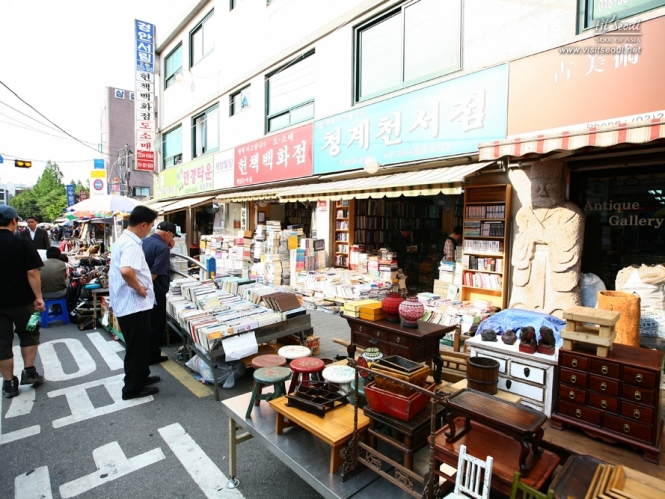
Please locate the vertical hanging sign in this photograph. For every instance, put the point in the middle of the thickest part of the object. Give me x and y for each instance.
(144, 97)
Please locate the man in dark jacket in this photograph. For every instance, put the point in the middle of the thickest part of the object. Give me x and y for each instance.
(39, 237)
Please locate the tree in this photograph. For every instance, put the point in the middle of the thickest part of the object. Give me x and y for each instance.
(80, 187)
(46, 199)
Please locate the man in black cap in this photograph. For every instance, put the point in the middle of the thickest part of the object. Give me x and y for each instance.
(156, 248)
(20, 296)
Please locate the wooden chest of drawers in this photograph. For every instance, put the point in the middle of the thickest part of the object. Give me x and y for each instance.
(615, 398)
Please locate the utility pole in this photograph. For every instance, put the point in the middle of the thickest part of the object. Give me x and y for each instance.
(123, 175)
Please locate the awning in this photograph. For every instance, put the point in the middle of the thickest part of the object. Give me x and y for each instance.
(186, 203)
(255, 195)
(447, 180)
(158, 206)
(571, 140)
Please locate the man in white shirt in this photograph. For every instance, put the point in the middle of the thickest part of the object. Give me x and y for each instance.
(39, 237)
(132, 299)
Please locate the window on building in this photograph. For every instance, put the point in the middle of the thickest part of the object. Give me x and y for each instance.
(240, 101)
(418, 41)
(201, 40)
(172, 148)
(172, 66)
(234, 4)
(205, 132)
(592, 13)
(141, 191)
(290, 93)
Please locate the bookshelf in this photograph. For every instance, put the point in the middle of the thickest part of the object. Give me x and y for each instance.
(298, 213)
(486, 244)
(343, 232)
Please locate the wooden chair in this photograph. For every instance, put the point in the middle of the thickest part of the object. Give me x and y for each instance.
(527, 492)
(473, 477)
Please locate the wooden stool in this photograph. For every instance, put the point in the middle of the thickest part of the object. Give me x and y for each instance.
(290, 352)
(341, 375)
(266, 360)
(302, 369)
(268, 376)
(601, 333)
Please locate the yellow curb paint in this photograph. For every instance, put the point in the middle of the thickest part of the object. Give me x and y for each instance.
(185, 377)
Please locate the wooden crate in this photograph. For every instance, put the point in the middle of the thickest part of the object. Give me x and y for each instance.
(590, 325)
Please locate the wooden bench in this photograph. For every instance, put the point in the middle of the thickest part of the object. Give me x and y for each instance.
(601, 334)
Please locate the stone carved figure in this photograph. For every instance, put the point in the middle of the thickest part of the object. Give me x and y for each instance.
(547, 250)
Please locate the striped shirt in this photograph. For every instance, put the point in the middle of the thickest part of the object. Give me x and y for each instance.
(127, 252)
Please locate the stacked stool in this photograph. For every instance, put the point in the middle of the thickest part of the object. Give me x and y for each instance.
(61, 315)
(268, 360)
(304, 369)
(340, 375)
(290, 352)
(268, 376)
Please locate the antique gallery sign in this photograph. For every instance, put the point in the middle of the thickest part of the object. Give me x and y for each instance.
(441, 120)
(144, 97)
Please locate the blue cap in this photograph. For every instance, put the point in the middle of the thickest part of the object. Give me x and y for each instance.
(7, 211)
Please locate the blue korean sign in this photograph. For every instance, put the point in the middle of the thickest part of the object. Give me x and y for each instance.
(145, 48)
(98, 164)
(449, 118)
(71, 194)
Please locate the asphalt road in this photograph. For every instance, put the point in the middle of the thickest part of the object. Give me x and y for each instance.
(74, 436)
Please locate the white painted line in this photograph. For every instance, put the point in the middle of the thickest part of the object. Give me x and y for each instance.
(35, 484)
(111, 464)
(108, 350)
(81, 406)
(200, 467)
(26, 396)
(53, 367)
(18, 434)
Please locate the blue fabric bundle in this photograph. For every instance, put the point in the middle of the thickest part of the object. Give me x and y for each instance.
(516, 319)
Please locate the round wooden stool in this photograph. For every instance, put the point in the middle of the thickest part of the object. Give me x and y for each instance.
(267, 360)
(268, 376)
(303, 368)
(290, 352)
(340, 375)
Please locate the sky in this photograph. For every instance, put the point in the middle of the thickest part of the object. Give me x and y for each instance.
(58, 56)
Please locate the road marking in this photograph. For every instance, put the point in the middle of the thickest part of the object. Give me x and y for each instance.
(18, 434)
(186, 379)
(35, 484)
(111, 464)
(81, 406)
(108, 350)
(200, 467)
(53, 367)
(26, 396)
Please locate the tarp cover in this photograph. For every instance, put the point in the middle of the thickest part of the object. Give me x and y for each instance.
(516, 319)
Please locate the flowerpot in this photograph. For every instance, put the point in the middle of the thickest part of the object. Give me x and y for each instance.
(410, 310)
(390, 306)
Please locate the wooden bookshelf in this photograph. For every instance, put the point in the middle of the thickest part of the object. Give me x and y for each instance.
(486, 244)
(342, 232)
(298, 213)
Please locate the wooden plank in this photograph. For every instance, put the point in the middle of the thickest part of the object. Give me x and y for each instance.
(606, 331)
(592, 315)
(589, 338)
(571, 325)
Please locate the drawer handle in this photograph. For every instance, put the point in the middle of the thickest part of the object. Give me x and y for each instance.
(573, 379)
(636, 413)
(638, 378)
(573, 363)
(603, 386)
(398, 339)
(603, 404)
(604, 370)
(638, 395)
(578, 413)
(361, 328)
(527, 371)
(571, 394)
(508, 384)
(378, 334)
(626, 428)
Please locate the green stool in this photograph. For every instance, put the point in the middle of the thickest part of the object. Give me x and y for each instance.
(268, 376)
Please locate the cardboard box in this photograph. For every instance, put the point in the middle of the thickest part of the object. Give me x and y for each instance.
(372, 309)
(354, 306)
(372, 317)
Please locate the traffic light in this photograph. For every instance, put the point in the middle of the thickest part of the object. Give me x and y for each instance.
(21, 163)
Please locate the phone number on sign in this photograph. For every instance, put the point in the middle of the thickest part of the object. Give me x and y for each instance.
(634, 119)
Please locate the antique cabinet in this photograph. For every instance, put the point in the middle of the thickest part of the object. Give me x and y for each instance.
(615, 397)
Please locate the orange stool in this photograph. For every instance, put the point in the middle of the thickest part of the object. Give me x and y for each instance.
(267, 360)
(303, 368)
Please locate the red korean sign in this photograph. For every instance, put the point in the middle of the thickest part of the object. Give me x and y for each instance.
(276, 157)
(145, 160)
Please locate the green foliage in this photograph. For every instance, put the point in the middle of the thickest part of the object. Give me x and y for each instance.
(46, 199)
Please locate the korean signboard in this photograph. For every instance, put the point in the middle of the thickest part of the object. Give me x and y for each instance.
(71, 194)
(275, 157)
(144, 97)
(97, 183)
(445, 119)
(190, 178)
(223, 177)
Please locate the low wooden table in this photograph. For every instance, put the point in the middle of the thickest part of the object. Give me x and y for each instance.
(517, 421)
(335, 429)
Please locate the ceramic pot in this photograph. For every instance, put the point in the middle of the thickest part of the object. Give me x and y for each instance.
(410, 310)
(390, 306)
(371, 354)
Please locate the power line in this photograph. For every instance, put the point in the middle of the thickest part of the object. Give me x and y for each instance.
(31, 128)
(40, 114)
(11, 156)
(27, 116)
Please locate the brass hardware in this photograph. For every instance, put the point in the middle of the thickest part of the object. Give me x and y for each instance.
(626, 428)
(398, 339)
(638, 378)
(603, 404)
(361, 328)
(578, 413)
(378, 334)
(636, 413)
(638, 395)
(573, 363)
(527, 371)
(603, 386)
(571, 394)
(604, 370)
(573, 379)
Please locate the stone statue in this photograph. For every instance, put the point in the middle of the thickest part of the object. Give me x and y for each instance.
(547, 250)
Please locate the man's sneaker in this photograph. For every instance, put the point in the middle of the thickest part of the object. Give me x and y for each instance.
(31, 377)
(10, 388)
